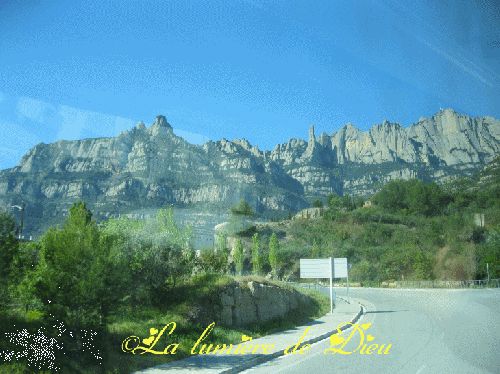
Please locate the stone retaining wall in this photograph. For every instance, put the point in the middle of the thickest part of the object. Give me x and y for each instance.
(258, 303)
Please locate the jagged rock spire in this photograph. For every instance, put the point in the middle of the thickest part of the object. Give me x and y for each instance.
(312, 138)
(162, 122)
(312, 151)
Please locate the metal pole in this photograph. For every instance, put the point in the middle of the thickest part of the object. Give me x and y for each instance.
(331, 291)
(488, 270)
(348, 284)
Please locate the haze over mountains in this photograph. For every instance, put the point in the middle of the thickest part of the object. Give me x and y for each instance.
(147, 168)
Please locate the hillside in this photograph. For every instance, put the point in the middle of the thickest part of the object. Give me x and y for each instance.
(396, 239)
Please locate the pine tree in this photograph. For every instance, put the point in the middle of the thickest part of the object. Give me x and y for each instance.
(73, 279)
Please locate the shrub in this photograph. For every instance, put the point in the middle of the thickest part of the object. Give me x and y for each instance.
(317, 204)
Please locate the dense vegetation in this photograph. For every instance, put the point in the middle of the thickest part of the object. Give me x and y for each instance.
(407, 231)
(83, 289)
(411, 231)
(121, 279)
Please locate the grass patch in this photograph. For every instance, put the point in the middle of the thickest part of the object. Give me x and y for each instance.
(129, 321)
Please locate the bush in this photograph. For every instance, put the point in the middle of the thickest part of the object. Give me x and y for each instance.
(243, 208)
(317, 204)
(212, 261)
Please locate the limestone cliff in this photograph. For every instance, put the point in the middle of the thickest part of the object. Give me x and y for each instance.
(152, 167)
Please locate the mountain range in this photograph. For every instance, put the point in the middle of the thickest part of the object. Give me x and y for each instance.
(147, 168)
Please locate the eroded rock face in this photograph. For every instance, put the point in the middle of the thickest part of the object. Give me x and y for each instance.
(310, 213)
(152, 167)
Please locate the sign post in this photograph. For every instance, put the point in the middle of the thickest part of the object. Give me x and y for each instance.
(326, 268)
(318, 268)
(331, 292)
(348, 268)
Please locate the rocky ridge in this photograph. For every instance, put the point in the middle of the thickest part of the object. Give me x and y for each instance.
(152, 167)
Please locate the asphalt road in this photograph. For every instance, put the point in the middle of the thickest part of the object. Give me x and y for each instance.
(430, 331)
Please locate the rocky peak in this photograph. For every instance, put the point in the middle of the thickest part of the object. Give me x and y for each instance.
(312, 138)
(151, 167)
(161, 128)
(455, 138)
(324, 140)
(312, 152)
(243, 143)
(162, 122)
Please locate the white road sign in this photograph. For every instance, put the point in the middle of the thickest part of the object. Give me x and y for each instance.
(326, 268)
(317, 268)
(339, 268)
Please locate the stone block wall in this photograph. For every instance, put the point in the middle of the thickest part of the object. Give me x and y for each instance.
(257, 303)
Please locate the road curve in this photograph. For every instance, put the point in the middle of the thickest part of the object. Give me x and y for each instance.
(430, 331)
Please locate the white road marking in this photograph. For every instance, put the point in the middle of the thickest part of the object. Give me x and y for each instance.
(422, 368)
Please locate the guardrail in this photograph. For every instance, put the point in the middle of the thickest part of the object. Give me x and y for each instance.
(448, 284)
(492, 283)
(310, 286)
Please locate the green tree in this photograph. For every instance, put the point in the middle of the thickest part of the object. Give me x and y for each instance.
(221, 241)
(489, 253)
(23, 265)
(211, 261)
(316, 251)
(392, 196)
(360, 202)
(243, 208)
(317, 204)
(289, 214)
(422, 265)
(9, 248)
(416, 197)
(274, 254)
(222, 250)
(347, 202)
(396, 263)
(334, 201)
(256, 258)
(154, 255)
(73, 278)
(436, 199)
(238, 256)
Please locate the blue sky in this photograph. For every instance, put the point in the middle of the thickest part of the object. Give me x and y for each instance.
(260, 70)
